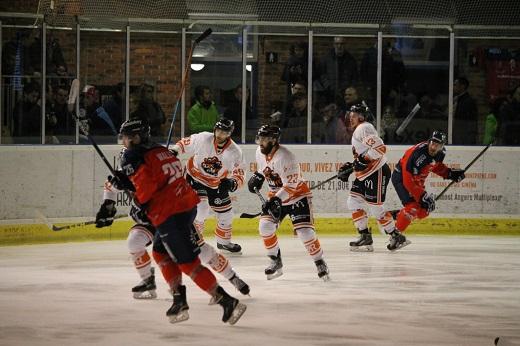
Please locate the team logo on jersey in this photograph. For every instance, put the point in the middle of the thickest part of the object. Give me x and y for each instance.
(211, 165)
(272, 178)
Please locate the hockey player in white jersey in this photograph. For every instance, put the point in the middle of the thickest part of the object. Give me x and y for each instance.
(142, 234)
(368, 191)
(215, 169)
(288, 195)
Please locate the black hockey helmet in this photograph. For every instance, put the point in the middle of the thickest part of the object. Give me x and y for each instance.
(361, 110)
(271, 131)
(136, 127)
(438, 137)
(225, 124)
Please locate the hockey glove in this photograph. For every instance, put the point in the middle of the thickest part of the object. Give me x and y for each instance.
(138, 213)
(121, 182)
(345, 171)
(227, 184)
(428, 201)
(256, 181)
(105, 215)
(360, 164)
(273, 207)
(456, 175)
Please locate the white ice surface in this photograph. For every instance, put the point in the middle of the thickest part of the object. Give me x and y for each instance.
(436, 291)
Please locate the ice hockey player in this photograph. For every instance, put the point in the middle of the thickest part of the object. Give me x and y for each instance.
(215, 169)
(155, 176)
(288, 195)
(142, 234)
(368, 191)
(410, 174)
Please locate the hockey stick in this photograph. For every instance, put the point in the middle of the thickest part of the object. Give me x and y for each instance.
(73, 95)
(183, 82)
(407, 120)
(465, 169)
(80, 224)
(252, 216)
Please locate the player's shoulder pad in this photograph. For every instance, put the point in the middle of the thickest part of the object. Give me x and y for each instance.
(131, 159)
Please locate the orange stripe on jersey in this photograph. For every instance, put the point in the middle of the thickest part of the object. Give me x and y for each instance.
(372, 167)
(303, 225)
(270, 241)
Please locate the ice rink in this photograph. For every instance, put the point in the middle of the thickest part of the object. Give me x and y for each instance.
(436, 291)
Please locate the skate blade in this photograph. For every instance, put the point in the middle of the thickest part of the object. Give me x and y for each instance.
(364, 248)
(145, 295)
(230, 253)
(278, 273)
(407, 242)
(180, 317)
(237, 313)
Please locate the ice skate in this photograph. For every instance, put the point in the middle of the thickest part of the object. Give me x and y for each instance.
(397, 241)
(146, 289)
(230, 248)
(363, 243)
(233, 309)
(178, 312)
(323, 270)
(274, 269)
(240, 285)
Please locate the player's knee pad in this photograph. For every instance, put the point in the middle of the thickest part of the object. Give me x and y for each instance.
(306, 233)
(138, 238)
(308, 237)
(225, 219)
(266, 227)
(355, 202)
(207, 253)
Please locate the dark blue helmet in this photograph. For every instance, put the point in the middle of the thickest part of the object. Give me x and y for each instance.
(136, 127)
(438, 137)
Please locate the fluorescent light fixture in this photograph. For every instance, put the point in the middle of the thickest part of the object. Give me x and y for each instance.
(197, 67)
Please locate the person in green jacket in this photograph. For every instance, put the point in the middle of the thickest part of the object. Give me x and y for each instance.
(491, 123)
(203, 115)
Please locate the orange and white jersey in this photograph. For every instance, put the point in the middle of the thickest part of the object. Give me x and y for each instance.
(282, 173)
(209, 164)
(367, 143)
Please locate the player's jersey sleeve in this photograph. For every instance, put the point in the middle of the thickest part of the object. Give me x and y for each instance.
(440, 168)
(368, 143)
(147, 181)
(239, 165)
(189, 145)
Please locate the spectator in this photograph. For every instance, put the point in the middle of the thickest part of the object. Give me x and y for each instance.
(299, 87)
(296, 67)
(99, 121)
(510, 120)
(332, 129)
(203, 115)
(234, 112)
(115, 104)
(27, 115)
(491, 123)
(150, 110)
(465, 114)
(65, 125)
(338, 69)
(388, 124)
(55, 57)
(393, 71)
(295, 122)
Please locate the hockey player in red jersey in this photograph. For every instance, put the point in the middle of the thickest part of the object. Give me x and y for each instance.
(155, 176)
(142, 234)
(410, 174)
(368, 191)
(288, 195)
(215, 169)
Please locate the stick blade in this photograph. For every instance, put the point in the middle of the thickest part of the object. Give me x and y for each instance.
(73, 94)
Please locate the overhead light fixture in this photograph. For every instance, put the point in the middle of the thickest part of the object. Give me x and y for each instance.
(249, 67)
(197, 67)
